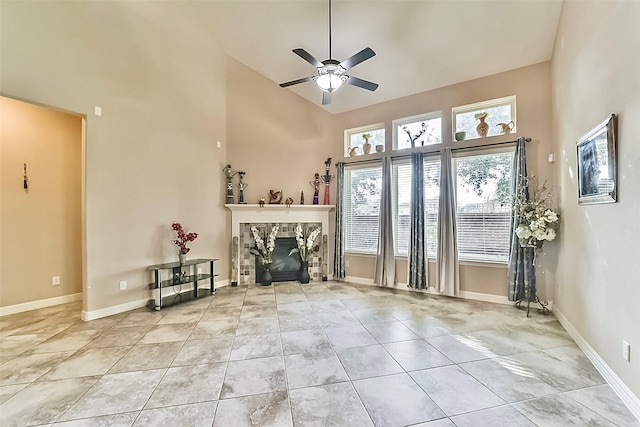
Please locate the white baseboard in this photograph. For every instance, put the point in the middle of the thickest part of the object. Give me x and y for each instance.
(42, 303)
(114, 309)
(498, 299)
(477, 296)
(132, 305)
(222, 283)
(624, 393)
(358, 280)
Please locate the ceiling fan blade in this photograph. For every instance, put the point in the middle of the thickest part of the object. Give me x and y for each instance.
(326, 98)
(295, 82)
(364, 84)
(307, 57)
(359, 57)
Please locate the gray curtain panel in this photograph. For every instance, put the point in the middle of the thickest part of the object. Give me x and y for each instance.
(417, 242)
(338, 248)
(448, 271)
(386, 261)
(522, 269)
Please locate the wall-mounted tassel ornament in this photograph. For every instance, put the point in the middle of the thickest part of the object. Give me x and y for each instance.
(26, 184)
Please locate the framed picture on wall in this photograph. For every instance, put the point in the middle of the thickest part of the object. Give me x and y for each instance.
(597, 164)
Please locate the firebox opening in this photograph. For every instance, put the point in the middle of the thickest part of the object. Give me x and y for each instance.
(284, 267)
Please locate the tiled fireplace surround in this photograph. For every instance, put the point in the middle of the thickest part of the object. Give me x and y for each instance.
(244, 216)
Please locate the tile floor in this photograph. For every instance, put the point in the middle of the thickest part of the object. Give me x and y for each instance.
(323, 354)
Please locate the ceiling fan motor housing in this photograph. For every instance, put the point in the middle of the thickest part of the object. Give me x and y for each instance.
(330, 76)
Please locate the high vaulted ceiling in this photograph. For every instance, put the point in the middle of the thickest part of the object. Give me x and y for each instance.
(420, 45)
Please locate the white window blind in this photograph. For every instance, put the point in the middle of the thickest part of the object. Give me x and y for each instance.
(362, 208)
(483, 214)
(431, 203)
(402, 207)
(402, 203)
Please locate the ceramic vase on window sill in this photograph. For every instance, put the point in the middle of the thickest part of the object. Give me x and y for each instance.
(482, 128)
(366, 147)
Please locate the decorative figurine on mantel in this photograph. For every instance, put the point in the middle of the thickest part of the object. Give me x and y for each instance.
(327, 180)
(288, 202)
(275, 197)
(229, 174)
(302, 197)
(241, 186)
(316, 188)
(261, 202)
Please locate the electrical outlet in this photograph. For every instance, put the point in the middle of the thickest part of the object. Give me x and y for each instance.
(626, 351)
(346, 263)
(123, 285)
(55, 280)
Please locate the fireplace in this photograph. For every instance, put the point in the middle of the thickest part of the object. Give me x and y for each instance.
(284, 267)
(245, 270)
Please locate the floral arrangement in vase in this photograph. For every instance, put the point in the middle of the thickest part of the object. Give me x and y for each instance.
(261, 249)
(537, 221)
(306, 243)
(182, 238)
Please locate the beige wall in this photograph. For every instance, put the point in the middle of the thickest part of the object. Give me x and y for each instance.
(40, 228)
(151, 157)
(280, 139)
(531, 85)
(595, 73)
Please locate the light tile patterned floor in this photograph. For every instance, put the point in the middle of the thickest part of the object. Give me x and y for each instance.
(323, 354)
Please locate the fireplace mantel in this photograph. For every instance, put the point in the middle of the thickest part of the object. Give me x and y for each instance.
(242, 214)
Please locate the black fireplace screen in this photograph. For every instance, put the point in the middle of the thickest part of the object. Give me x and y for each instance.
(283, 267)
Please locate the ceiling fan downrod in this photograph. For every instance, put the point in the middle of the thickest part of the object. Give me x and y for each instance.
(330, 56)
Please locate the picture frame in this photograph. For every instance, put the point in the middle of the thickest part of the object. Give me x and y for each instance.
(598, 164)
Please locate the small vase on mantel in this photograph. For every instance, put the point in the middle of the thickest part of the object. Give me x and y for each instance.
(304, 272)
(267, 279)
(182, 257)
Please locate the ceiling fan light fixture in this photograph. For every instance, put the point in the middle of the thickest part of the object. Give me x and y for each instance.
(330, 81)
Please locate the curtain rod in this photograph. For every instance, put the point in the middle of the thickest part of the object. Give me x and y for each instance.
(405, 156)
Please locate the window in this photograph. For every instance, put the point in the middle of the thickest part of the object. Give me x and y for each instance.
(483, 214)
(402, 202)
(353, 140)
(417, 131)
(501, 110)
(362, 208)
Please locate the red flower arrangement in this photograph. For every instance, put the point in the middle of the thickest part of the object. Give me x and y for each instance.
(183, 237)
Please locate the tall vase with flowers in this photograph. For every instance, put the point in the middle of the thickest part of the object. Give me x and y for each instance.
(536, 223)
(537, 220)
(263, 249)
(306, 247)
(181, 240)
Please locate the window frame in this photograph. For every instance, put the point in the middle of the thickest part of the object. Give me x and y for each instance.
(348, 133)
(478, 107)
(406, 161)
(395, 124)
(480, 151)
(347, 182)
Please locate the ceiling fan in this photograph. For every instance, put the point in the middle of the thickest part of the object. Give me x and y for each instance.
(331, 73)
